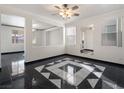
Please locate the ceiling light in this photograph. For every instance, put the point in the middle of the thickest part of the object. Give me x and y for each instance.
(67, 12)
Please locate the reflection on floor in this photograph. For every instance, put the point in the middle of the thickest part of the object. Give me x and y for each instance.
(12, 67)
(60, 72)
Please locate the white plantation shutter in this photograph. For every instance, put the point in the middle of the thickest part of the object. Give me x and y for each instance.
(71, 36)
(112, 33)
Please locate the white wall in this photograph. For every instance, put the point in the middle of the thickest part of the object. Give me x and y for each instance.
(6, 40)
(107, 53)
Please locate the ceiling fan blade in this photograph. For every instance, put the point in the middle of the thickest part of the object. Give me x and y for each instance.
(75, 14)
(65, 5)
(57, 7)
(75, 7)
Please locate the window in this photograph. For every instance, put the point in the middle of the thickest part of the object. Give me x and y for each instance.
(109, 38)
(44, 34)
(17, 37)
(39, 38)
(52, 37)
(112, 35)
(71, 36)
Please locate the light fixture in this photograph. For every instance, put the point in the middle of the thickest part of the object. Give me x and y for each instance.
(91, 27)
(67, 12)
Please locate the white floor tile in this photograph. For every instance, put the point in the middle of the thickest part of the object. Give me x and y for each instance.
(39, 68)
(83, 73)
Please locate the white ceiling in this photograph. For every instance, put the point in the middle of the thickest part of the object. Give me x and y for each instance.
(85, 10)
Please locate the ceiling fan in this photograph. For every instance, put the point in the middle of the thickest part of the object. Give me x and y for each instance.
(67, 12)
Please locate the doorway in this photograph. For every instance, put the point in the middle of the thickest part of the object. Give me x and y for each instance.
(12, 47)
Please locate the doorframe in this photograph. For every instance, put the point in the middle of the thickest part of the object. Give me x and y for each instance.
(13, 14)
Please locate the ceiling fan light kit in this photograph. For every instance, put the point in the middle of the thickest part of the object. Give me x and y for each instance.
(67, 12)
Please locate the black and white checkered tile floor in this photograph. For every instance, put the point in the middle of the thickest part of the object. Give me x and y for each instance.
(62, 72)
(70, 73)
